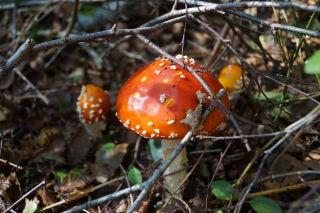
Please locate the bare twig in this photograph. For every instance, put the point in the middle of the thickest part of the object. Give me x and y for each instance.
(290, 129)
(25, 195)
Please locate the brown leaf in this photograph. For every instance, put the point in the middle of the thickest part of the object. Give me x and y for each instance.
(14, 191)
(313, 163)
(79, 145)
(48, 197)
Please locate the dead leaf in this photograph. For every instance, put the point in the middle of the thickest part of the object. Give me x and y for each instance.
(112, 158)
(313, 163)
(76, 179)
(43, 138)
(79, 145)
(31, 205)
(48, 197)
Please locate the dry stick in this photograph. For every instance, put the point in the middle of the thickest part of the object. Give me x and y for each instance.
(5, 67)
(92, 190)
(298, 173)
(74, 18)
(217, 168)
(21, 54)
(28, 48)
(281, 189)
(310, 186)
(301, 200)
(25, 195)
(127, 180)
(23, 77)
(67, 33)
(290, 129)
(6, 161)
(248, 65)
(208, 7)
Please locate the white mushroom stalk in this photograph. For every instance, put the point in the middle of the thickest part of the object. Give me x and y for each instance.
(172, 181)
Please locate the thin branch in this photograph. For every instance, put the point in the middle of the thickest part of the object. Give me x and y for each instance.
(25, 195)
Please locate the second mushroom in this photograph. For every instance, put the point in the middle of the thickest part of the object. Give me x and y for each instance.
(164, 100)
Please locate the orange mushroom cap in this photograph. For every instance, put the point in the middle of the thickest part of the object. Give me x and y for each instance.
(92, 106)
(158, 96)
(231, 78)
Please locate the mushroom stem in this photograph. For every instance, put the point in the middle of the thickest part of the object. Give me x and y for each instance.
(172, 181)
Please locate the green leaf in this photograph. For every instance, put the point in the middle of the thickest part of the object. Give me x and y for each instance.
(276, 96)
(222, 189)
(61, 173)
(155, 150)
(134, 176)
(312, 65)
(217, 211)
(108, 147)
(264, 205)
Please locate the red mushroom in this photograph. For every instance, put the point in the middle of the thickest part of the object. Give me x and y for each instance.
(232, 79)
(163, 100)
(92, 106)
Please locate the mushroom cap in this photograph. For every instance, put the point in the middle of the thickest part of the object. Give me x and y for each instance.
(158, 96)
(231, 78)
(92, 105)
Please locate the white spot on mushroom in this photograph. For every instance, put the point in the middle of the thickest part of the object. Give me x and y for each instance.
(100, 111)
(173, 67)
(100, 100)
(182, 76)
(144, 132)
(152, 135)
(136, 95)
(161, 64)
(179, 56)
(127, 122)
(162, 98)
(143, 79)
(138, 127)
(85, 105)
(157, 131)
(170, 122)
(157, 72)
(85, 96)
(150, 123)
(173, 135)
(192, 61)
(91, 99)
(116, 114)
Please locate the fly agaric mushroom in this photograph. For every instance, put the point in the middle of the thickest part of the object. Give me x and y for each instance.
(92, 106)
(232, 79)
(163, 100)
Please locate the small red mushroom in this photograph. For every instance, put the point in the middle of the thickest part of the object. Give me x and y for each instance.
(163, 100)
(232, 79)
(92, 106)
